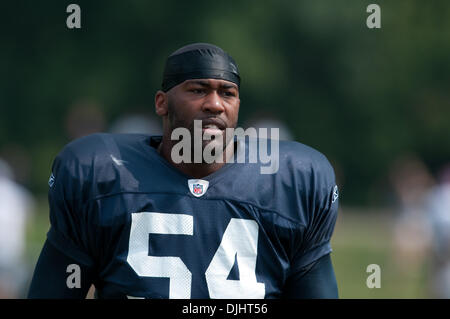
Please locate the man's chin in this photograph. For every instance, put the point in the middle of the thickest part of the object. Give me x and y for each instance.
(213, 144)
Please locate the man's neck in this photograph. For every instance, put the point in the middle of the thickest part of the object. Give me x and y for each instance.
(195, 170)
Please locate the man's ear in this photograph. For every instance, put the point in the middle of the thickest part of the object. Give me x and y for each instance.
(161, 103)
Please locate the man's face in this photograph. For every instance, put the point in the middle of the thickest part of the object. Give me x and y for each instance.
(214, 102)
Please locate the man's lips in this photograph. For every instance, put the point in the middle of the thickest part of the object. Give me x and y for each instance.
(213, 124)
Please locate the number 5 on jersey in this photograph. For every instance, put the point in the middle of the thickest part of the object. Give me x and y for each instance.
(240, 241)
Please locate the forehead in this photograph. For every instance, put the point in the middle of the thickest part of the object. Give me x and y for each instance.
(214, 83)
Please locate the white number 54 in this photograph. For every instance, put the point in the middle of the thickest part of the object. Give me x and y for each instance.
(239, 240)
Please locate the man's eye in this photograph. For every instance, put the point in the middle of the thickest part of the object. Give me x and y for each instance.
(198, 91)
(229, 93)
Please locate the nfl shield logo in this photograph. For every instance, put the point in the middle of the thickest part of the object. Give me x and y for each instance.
(198, 187)
(51, 180)
(335, 194)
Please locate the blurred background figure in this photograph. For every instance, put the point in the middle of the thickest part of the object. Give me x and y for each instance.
(16, 205)
(438, 205)
(84, 118)
(411, 181)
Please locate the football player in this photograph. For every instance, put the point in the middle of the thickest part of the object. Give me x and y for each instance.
(129, 219)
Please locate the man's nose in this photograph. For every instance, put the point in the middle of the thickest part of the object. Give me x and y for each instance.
(213, 103)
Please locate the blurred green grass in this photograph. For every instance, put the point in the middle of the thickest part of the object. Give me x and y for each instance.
(365, 237)
(361, 238)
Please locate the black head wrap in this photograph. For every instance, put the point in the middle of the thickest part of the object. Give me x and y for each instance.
(199, 61)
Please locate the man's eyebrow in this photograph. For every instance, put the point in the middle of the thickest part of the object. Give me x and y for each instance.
(228, 86)
(206, 84)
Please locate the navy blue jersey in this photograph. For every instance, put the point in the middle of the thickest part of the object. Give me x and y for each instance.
(150, 231)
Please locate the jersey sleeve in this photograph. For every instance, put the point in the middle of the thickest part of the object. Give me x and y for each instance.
(67, 198)
(321, 216)
(52, 273)
(314, 281)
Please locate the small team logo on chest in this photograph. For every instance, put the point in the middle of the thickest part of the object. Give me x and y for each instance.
(198, 187)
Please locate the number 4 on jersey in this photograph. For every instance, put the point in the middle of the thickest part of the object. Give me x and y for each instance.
(240, 239)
